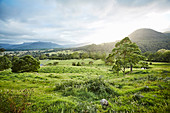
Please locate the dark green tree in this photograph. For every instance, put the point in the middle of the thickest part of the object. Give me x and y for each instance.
(42, 57)
(84, 56)
(25, 64)
(5, 63)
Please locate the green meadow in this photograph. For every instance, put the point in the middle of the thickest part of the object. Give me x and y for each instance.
(64, 88)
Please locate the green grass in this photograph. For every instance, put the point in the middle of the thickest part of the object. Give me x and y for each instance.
(67, 89)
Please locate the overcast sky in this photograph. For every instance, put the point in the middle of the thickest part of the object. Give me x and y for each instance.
(79, 21)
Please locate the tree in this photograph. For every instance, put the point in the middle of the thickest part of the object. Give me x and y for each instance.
(134, 55)
(125, 54)
(75, 55)
(109, 60)
(5, 63)
(84, 56)
(42, 57)
(25, 64)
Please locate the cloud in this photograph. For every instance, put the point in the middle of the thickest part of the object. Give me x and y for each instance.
(78, 21)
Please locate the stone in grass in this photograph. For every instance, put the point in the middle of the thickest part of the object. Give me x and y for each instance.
(154, 95)
(146, 87)
(104, 102)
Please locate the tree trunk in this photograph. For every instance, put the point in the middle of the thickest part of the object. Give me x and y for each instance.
(123, 70)
(117, 73)
(131, 68)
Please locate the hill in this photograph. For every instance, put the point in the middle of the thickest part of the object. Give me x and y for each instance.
(146, 39)
(31, 45)
(150, 40)
(104, 47)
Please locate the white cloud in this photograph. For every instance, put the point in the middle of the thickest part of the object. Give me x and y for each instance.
(75, 21)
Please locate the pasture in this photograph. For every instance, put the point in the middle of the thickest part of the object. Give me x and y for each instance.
(64, 88)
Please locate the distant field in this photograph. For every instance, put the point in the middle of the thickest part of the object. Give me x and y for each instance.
(65, 52)
(69, 62)
(78, 89)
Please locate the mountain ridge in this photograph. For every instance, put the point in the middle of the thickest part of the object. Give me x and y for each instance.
(31, 45)
(146, 39)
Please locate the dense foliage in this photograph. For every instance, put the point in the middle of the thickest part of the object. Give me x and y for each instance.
(161, 55)
(5, 63)
(25, 64)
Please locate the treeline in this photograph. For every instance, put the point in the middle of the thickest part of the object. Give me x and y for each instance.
(161, 55)
(74, 55)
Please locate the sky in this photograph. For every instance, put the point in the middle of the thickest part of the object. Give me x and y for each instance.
(79, 21)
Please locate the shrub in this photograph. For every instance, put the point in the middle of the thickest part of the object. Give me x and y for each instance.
(82, 63)
(96, 86)
(49, 64)
(78, 64)
(55, 63)
(91, 63)
(144, 65)
(73, 64)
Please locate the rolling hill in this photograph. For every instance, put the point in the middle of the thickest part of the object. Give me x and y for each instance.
(146, 39)
(150, 40)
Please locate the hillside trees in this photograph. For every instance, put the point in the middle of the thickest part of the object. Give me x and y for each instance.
(161, 55)
(5, 63)
(25, 64)
(125, 54)
(75, 55)
(84, 55)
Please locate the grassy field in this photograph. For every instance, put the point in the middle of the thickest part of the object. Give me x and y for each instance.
(78, 89)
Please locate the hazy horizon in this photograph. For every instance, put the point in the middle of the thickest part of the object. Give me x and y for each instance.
(79, 21)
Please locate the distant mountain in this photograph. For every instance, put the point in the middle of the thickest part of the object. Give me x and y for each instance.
(30, 45)
(150, 40)
(146, 39)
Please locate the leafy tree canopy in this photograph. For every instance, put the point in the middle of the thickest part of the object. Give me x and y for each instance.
(125, 54)
(25, 64)
(5, 63)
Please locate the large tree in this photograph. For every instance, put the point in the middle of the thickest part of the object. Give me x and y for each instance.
(125, 54)
(25, 64)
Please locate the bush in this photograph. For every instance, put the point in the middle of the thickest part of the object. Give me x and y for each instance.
(78, 64)
(25, 64)
(91, 63)
(49, 64)
(95, 86)
(82, 63)
(55, 63)
(73, 64)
